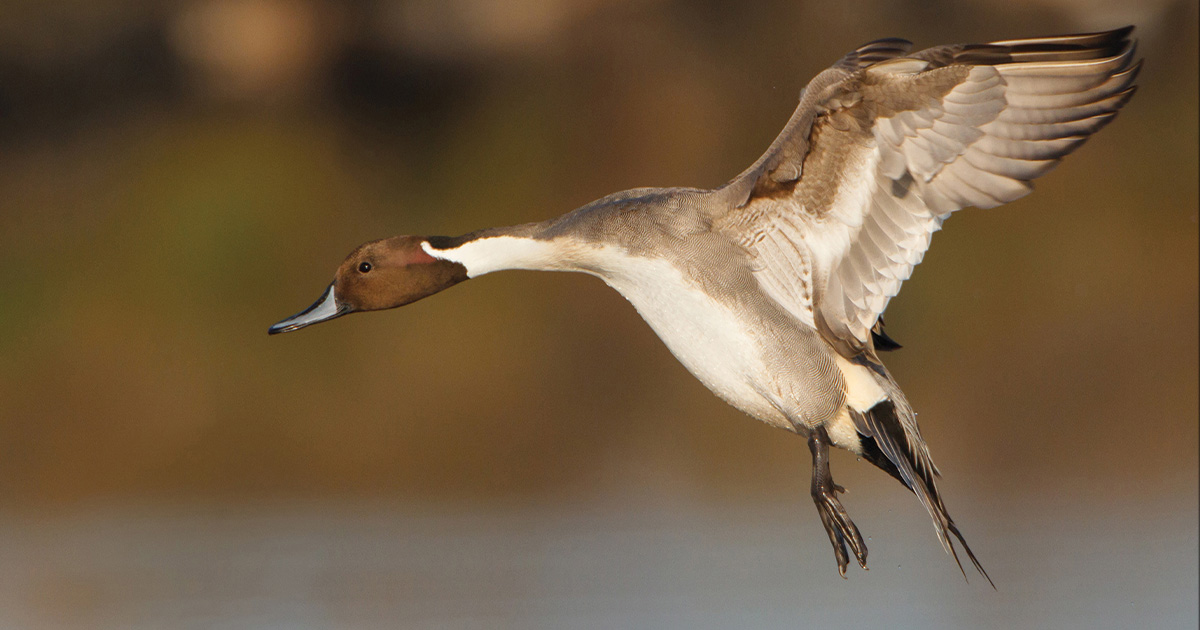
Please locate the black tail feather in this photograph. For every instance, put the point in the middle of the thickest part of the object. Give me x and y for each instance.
(967, 548)
(881, 339)
(872, 453)
(885, 445)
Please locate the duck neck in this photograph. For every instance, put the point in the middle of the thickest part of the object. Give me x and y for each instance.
(496, 249)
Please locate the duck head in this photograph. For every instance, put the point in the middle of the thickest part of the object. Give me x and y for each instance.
(378, 275)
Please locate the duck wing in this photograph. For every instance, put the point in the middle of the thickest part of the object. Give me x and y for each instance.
(884, 145)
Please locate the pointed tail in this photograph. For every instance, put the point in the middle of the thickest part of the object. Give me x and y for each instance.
(886, 444)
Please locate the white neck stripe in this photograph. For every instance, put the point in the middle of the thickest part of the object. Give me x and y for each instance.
(497, 253)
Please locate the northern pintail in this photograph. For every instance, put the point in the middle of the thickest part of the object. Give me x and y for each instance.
(771, 289)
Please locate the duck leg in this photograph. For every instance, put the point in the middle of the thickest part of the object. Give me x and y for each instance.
(841, 529)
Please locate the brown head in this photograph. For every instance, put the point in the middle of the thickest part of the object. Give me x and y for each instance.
(381, 274)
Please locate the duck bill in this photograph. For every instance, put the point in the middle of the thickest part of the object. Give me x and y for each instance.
(323, 310)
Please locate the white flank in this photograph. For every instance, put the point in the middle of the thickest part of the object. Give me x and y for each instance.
(498, 253)
(862, 392)
(862, 389)
(843, 433)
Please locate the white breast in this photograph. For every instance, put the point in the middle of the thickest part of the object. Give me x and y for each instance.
(703, 334)
(709, 339)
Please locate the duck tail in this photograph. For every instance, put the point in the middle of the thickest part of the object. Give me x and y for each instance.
(896, 447)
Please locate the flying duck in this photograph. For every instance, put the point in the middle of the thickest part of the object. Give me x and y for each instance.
(771, 289)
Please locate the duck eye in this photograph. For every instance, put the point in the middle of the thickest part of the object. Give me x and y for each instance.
(364, 267)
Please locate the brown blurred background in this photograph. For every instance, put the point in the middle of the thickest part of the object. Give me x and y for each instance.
(522, 451)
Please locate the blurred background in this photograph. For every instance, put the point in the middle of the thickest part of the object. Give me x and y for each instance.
(522, 451)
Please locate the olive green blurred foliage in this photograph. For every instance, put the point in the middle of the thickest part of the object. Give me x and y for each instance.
(148, 238)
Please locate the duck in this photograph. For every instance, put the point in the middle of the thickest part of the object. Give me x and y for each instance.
(771, 289)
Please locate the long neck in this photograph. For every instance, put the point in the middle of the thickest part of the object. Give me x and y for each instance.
(495, 249)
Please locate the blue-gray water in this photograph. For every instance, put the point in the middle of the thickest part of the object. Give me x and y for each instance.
(618, 563)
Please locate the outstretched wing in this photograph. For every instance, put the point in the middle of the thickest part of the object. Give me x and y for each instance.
(883, 147)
